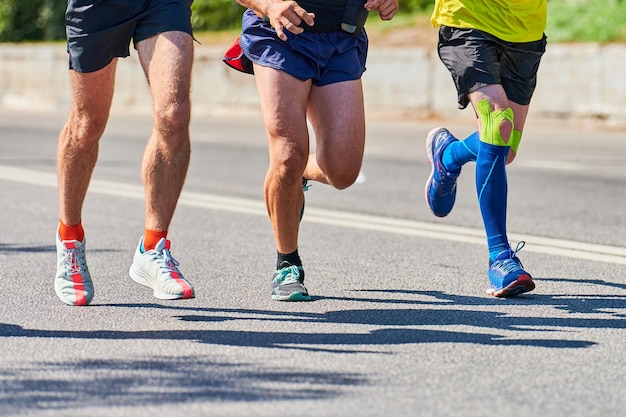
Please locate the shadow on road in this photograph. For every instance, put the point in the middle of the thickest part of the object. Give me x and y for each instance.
(158, 381)
(396, 326)
(409, 318)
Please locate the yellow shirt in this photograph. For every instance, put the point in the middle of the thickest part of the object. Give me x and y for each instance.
(509, 20)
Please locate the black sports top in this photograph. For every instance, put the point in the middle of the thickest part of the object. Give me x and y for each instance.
(328, 14)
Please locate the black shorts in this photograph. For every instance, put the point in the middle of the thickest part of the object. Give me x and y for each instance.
(476, 59)
(98, 31)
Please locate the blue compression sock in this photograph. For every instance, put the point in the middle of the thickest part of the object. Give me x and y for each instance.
(491, 186)
(458, 153)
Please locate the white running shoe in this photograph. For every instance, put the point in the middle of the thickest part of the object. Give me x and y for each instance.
(72, 282)
(157, 269)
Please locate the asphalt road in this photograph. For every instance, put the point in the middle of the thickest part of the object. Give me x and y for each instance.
(399, 324)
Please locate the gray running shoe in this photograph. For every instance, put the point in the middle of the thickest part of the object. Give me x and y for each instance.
(305, 187)
(72, 282)
(288, 284)
(157, 269)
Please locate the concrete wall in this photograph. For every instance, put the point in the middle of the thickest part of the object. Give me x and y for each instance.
(575, 82)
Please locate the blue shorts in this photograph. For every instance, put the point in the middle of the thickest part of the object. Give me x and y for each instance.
(322, 57)
(476, 59)
(98, 31)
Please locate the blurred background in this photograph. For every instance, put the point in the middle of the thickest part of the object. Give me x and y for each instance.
(577, 80)
(568, 20)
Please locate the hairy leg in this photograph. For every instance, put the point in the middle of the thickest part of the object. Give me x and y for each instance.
(167, 61)
(283, 105)
(77, 150)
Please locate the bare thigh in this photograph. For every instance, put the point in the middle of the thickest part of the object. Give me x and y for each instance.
(167, 60)
(336, 112)
(283, 100)
(92, 94)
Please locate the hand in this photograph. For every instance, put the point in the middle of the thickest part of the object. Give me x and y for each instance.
(387, 9)
(288, 15)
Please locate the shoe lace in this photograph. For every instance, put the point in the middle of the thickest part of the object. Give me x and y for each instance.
(447, 181)
(513, 263)
(305, 184)
(288, 275)
(74, 261)
(166, 261)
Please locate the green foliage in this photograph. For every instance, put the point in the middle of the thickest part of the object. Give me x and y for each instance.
(216, 14)
(586, 20)
(412, 6)
(226, 14)
(568, 20)
(22, 20)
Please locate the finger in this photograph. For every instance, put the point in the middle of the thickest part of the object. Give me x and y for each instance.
(292, 27)
(387, 16)
(372, 4)
(388, 12)
(279, 32)
(303, 15)
(293, 18)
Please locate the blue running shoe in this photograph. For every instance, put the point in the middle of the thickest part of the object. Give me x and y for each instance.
(440, 190)
(288, 284)
(507, 276)
(305, 187)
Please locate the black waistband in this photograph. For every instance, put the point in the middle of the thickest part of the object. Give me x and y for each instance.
(330, 15)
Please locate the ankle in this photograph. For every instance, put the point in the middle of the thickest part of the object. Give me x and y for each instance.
(71, 232)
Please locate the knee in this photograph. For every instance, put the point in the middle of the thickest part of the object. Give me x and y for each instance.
(288, 165)
(343, 179)
(342, 174)
(84, 130)
(496, 125)
(172, 121)
(341, 168)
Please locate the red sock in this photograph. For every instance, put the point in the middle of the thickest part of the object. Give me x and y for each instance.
(152, 237)
(75, 232)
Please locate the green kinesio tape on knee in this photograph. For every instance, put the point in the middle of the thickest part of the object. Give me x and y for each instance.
(516, 137)
(491, 121)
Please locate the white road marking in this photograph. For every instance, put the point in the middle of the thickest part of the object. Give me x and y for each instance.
(554, 165)
(537, 244)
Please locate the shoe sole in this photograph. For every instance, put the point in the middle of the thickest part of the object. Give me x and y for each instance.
(521, 285)
(140, 278)
(294, 296)
(429, 153)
